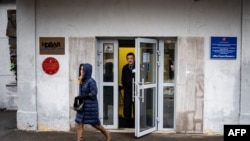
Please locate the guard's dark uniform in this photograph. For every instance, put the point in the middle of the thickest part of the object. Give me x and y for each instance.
(127, 78)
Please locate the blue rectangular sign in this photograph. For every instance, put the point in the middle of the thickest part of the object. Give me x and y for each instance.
(223, 48)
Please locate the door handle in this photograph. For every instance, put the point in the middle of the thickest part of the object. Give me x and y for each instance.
(142, 93)
(133, 89)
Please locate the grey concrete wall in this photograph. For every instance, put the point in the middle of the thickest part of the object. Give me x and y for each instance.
(190, 85)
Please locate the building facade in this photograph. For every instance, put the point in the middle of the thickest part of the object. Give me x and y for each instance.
(208, 90)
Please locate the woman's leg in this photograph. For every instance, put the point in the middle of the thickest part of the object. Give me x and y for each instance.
(79, 131)
(104, 131)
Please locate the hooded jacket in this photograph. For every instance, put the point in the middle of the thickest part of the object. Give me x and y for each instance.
(88, 90)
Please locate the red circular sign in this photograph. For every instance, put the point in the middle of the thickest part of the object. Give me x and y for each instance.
(50, 65)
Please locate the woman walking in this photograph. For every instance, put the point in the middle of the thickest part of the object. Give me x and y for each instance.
(89, 114)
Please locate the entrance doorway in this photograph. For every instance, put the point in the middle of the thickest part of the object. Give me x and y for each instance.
(154, 83)
(125, 47)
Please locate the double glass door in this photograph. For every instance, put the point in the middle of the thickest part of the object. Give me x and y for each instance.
(146, 89)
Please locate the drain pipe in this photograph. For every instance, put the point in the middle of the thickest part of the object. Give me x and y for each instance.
(241, 58)
(35, 12)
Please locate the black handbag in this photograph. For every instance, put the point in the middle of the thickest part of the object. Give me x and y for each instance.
(78, 103)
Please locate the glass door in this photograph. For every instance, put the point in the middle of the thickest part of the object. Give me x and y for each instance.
(166, 87)
(145, 86)
(108, 88)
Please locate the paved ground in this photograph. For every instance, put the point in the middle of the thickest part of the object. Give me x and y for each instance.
(8, 132)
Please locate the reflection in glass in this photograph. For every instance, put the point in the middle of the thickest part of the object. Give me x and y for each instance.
(169, 56)
(108, 72)
(168, 107)
(148, 62)
(108, 59)
(108, 104)
(147, 109)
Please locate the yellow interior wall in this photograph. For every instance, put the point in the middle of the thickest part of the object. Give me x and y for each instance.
(122, 61)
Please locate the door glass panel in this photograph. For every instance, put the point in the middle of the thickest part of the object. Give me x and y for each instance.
(168, 107)
(147, 62)
(108, 59)
(145, 86)
(169, 55)
(108, 105)
(147, 111)
(108, 84)
(169, 83)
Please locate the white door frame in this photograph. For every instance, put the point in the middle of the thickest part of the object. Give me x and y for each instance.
(101, 84)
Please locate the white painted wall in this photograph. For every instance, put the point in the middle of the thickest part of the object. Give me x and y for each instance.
(90, 18)
(6, 76)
